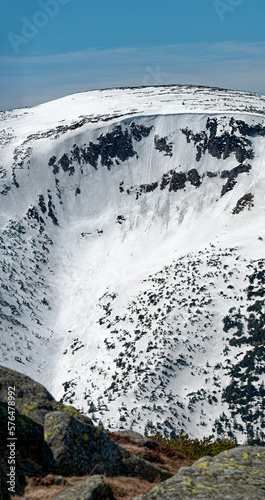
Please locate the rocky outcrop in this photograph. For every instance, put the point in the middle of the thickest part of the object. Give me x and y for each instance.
(33, 456)
(142, 441)
(52, 437)
(93, 489)
(237, 474)
(79, 448)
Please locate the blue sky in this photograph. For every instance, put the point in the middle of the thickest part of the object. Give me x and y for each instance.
(51, 48)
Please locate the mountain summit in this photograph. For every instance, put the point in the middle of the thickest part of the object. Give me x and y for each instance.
(132, 256)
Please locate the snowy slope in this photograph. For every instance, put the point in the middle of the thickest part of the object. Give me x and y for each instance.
(132, 255)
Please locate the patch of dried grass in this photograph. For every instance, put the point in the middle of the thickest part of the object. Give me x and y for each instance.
(37, 488)
(162, 456)
(126, 488)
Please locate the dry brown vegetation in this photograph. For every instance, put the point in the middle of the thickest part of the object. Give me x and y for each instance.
(124, 488)
(39, 488)
(162, 456)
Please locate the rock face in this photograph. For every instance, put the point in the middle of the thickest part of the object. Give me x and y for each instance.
(237, 474)
(93, 489)
(79, 448)
(32, 403)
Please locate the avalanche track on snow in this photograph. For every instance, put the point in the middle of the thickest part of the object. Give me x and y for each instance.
(132, 256)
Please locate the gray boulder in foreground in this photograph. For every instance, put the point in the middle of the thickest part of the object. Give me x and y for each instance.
(93, 489)
(79, 448)
(237, 474)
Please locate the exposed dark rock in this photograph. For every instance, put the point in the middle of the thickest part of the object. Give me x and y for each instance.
(33, 214)
(237, 474)
(234, 172)
(115, 145)
(146, 188)
(230, 184)
(194, 177)
(91, 154)
(176, 180)
(66, 164)
(219, 146)
(120, 219)
(139, 131)
(161, 145)
(245, 202)
(76, 153)
(249, 130)
(93, 489)
(211, 125)
(42, 204)
(231, 175)
(51, 211)
(52, 161)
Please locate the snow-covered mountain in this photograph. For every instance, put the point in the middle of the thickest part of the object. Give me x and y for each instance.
(132, 255)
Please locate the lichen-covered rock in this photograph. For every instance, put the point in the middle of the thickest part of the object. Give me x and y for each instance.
(33, 456)
(93, 489)
(236, 474)
(79, 448)
(32, 399)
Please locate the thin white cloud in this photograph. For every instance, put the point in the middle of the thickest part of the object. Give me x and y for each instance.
(31, 80)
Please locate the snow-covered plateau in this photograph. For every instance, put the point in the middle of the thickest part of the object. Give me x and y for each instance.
(132, 256)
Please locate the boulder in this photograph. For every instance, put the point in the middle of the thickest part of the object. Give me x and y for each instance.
(138, 438)
(79, 448)
(93, 489)
(135, 436)
(236, 474)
